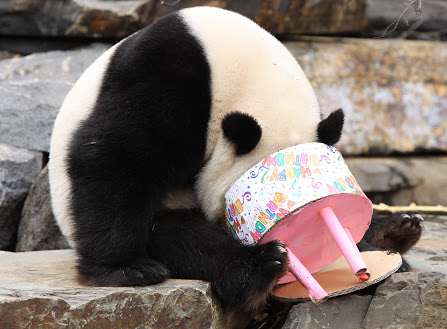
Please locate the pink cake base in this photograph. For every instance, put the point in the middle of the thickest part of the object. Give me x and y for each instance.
(307, 236)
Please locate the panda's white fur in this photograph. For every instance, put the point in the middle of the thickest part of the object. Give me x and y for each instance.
(77, 105)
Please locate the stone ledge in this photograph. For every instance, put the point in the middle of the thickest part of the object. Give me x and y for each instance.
(405, 300)
(402, 180)
(32, 89)
(39, 290)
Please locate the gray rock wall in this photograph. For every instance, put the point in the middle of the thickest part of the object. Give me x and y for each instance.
(18, 170)
(405, 300)
(384, 14)
(410, 300)
(38, 229)
(330, 313)
(32, 89)
(402, 180)
(393, 91)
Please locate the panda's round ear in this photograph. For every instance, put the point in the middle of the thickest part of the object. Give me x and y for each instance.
(329, 129)
(243, 130)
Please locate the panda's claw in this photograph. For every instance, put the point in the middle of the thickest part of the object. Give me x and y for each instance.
(419, 216)
(282, 249)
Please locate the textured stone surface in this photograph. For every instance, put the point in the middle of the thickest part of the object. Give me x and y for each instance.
(38, 229)
(409, 300)
(39, 290)
(116, 19)
(345, 312)
(6, 54)
(290, 17)
(404, 300)
(32, 89)
(108, 19)
(393, 92)
(402, 180)
(430, 253)
(18, 169)
(384, 13)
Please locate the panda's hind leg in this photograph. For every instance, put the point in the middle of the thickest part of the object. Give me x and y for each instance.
(113, 208)
(241, 276)
(117, 258)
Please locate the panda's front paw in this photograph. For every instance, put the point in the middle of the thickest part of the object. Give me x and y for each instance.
(406, 231)
(270, 260)
(397, 232)
(138, 273)
(254, 276)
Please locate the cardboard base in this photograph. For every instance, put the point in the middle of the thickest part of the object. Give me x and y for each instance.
(338, 279)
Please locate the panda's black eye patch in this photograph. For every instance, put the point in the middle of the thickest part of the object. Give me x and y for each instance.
(243, 130)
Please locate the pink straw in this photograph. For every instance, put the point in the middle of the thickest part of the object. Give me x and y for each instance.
(346, 243)
(316, 293)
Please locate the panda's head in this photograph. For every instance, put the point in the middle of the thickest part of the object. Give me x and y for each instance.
(243, 142)
(262, 102)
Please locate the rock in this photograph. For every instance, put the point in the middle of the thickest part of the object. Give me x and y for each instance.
(30, 45)
(384, 13)
(393, 92)
(430, 253)
(327, 315)
(404, 300)
(289, 17)
(38, 229)
(32, 89)
(409, 300)
(86, 18)
(39, 290)
(117, 19)
(18, 169)
(6, 54)
(402, 180)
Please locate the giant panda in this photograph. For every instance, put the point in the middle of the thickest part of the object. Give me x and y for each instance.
(155, 132)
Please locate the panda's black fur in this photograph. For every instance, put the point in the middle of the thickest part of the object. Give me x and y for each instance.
(148, 127)
(144, 136)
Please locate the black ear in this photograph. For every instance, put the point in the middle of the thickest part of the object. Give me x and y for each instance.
(329, 129)
(243, 130)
